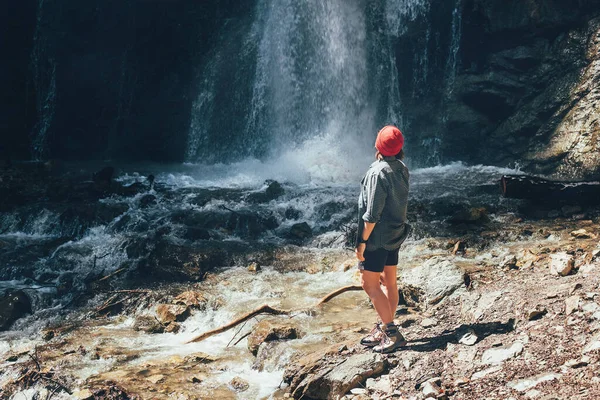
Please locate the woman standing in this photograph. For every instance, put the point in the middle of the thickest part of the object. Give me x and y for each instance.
(382, 228)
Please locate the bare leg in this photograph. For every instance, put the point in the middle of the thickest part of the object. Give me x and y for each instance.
(371, 285)
(389, 286)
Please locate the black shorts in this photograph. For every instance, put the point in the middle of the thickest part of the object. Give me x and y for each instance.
(375, 260)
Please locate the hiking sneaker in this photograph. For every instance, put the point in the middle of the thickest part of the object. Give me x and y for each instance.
(390, 342)
(374, 337)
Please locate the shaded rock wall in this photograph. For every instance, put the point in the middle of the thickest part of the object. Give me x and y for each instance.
(105, 79)
(521, 92)
(482, 81)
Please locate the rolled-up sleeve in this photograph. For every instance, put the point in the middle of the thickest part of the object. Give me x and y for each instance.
(375, 194)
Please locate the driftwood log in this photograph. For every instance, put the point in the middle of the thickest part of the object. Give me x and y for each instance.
(266, 309)
(544, 190)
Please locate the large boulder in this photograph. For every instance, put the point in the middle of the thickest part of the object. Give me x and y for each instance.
(268, 331)
(437, 278)
(319, 376)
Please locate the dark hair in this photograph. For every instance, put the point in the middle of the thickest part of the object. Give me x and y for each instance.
(399, 156)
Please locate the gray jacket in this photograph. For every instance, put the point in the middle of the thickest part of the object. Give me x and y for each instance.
(383, 200)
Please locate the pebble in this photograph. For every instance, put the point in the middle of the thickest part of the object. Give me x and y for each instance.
(358, 391)
(428, 323)
(572, 304)
(239, 385)
(536, 313)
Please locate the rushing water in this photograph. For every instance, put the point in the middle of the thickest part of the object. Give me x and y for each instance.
(309, 185)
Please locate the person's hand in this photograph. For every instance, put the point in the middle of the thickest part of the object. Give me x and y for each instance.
(360, 251)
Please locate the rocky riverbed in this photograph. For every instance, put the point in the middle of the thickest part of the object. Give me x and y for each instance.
(500, 299)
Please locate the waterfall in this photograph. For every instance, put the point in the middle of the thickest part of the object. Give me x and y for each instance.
(312, 72)
(44, 80)
(321, 78)
(454, 47)
(315, 80)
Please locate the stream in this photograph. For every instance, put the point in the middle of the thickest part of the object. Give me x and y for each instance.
(99, 350)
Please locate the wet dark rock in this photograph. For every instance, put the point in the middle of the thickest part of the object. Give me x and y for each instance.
(105, 175)
(13, 306)
(173, 262)
(77, 218)
(191, 299)
(193, 234)
(300, 231)
(206, 195)
(268, 331)
(19, 258)
(239, 385)
(327, 210)
(478, 215)
(244, 223)
(148, 324)
(167, 313)
(292, 213)
(272, 192)
(147, 200)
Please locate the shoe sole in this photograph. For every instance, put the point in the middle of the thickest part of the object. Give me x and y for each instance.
(368, 344)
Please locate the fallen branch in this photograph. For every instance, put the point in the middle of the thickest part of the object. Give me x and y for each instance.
(338, 292)
(266, 309)
(111, 275)
(139, 291)
(241, 338)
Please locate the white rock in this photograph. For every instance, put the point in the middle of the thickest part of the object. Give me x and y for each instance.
(482, 374)
(590, 307)
(582, 362)
(382, 385)
(587, 268)
(500, 354)
(593, 345)
(486, 301)
(561, 264)
(437, 278)
(523, 385)
(430, 390)
(84, 394)
(408, 362)
(428, 322)
(572, 304)
(533, 393)
(358, 391)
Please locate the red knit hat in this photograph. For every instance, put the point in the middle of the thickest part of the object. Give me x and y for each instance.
(389, 141)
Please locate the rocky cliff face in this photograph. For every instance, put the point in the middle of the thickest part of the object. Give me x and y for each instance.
(482, 81)
(523, 90)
